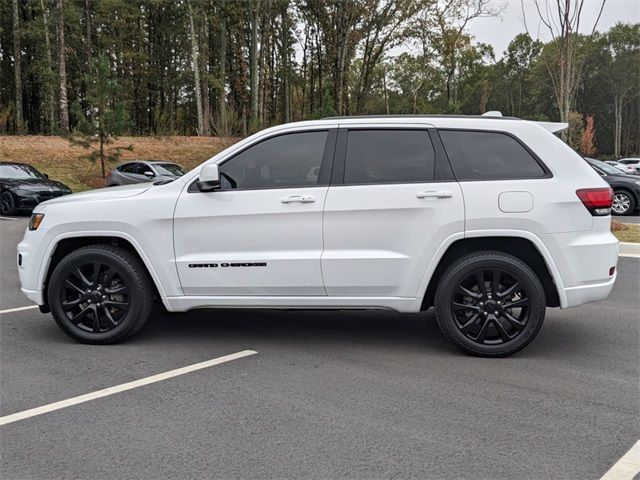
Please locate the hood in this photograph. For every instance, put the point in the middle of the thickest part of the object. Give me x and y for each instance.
(35, 184)
(108, 193)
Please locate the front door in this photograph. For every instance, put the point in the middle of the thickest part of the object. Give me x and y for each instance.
(261, 233)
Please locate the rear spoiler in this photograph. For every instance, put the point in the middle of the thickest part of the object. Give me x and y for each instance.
(554, 127)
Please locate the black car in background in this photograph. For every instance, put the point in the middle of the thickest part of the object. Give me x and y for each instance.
(22, 187)
(626, 188)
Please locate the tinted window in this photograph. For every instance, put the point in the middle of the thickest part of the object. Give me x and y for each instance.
(143, 168)
(128, 168)
(388, 156)
(291, 160)
(488, 156)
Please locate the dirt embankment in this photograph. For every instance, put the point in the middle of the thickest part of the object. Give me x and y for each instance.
(62, 161)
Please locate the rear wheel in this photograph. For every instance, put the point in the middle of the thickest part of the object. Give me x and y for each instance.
(100, 294)
(8, 205)
(490, 304)
(623, 203)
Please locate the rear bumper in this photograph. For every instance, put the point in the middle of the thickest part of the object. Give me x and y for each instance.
(588, 293)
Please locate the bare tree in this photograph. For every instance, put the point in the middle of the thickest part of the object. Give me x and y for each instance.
(195, 60)
(62, 70)
(49, 66)
(17, 56)
(562, 19)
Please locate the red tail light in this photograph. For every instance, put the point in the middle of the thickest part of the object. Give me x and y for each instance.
(597, 200)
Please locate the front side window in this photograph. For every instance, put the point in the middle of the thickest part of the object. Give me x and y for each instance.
(291, 160)
(476, 155)
(388, 156)
(128, 168)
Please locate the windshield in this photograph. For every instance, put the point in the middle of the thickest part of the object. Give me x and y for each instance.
(606, 167)
(20, 172)
(168, 169)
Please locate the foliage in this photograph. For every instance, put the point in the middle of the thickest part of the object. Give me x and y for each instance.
(256, 63)
(97, 127)
(587, 144)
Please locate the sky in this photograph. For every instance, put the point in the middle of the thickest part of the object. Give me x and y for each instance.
(499, 31)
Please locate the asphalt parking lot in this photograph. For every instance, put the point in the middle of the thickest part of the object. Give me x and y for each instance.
(328, 395)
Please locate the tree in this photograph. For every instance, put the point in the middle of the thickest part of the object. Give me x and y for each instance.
(562, 19)
(62, 70)
(195, 60)
(588, 144)
(623, 72)
(106, 118)
(17, 60)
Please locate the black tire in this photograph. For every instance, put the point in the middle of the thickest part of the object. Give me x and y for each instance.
(8, 205)
(624, 203)
(482, 319)
(90, 312)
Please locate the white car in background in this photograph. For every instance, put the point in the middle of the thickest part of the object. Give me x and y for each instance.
(488, 220)
(628, 169)
(634, 162)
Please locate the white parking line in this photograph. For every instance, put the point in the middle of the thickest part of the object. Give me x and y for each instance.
(123, 387)
(627, 467)
(18, 309)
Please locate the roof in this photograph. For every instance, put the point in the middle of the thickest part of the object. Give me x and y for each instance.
(414, 116)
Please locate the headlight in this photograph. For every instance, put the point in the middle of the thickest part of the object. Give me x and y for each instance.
(36, 220)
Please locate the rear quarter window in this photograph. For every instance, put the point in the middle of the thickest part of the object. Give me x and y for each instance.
(479, 155)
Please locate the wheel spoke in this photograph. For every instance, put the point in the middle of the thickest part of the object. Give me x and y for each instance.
(482, 334)
(464, 328)
(467, 292)
(71, 304)
(78, 317)
(481, 285)
(96, 320)
(119, 289)
(504, 336)
(109, 316)
(113, 303)
(512, 289)
(81, 276)
(517, 324)
(523, 302)
(465, 306)
(495, 285)
(96, 273)
(108, 277)
(70, 284)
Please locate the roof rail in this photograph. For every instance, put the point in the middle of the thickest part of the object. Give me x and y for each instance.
(414, 115)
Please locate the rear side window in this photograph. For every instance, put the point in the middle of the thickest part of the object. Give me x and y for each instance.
(128, 168)
(388, 156)
(478, 155)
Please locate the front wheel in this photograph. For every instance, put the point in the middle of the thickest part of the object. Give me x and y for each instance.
(100, 294)
(490, 304)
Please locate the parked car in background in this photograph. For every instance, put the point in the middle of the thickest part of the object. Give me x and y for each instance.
(22, 187)
(139, 171)
(634, 162)
(626, 188)
(628, 169)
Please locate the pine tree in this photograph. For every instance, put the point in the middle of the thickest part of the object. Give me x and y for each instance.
(107, 117)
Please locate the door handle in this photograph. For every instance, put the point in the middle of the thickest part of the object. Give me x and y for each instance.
(299, 199)
(435, 194)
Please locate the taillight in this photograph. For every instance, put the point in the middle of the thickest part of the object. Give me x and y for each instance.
(597, 200)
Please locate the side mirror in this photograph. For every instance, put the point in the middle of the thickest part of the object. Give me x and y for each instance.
(149, 174)
(45, 175)
(209, 178)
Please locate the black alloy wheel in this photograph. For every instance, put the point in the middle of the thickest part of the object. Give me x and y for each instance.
(490, 304)
(94, 297)
(7, 204)
(100, 294)
(490, 307)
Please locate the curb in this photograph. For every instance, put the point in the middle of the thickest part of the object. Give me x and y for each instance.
(629, 249)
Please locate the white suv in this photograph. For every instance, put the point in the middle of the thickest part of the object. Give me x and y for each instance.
(489, 220)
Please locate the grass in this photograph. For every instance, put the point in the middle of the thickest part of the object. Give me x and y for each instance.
(56, 157)
(626, 232)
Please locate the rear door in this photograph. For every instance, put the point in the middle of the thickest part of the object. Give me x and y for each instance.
(391, 204)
